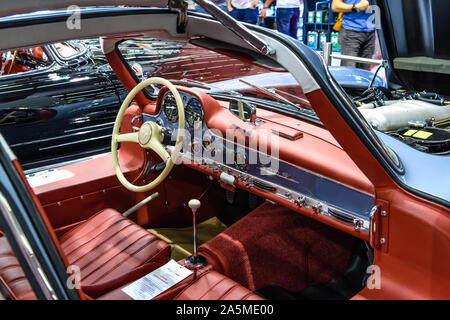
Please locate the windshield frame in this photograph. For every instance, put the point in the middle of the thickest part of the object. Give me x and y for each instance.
(270, 105)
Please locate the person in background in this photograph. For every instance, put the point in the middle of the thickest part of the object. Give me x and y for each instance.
(287, 15)
(357, 36)
(244, 10)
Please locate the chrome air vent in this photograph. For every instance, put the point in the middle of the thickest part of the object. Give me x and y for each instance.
(341, 216)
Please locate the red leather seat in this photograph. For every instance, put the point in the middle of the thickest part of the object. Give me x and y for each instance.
(215, 286)
(108, 248)
(208, 285)
(12, 279)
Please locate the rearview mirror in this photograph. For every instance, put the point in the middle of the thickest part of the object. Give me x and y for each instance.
(242, 110)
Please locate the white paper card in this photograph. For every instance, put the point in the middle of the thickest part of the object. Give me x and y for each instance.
(157, 281)
(48, 176)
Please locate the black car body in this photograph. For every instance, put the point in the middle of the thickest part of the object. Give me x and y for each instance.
(61, 112)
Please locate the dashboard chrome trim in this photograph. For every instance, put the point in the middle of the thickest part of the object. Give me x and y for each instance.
(358, 221)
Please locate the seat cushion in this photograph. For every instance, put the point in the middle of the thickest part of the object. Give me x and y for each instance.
(207, 285)
(12, 278)
(215, 286)
(108, 248)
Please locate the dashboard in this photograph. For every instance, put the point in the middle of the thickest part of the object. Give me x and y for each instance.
(236, 165)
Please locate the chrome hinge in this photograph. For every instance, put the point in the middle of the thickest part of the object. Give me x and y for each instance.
(379, 225)
(181, 6)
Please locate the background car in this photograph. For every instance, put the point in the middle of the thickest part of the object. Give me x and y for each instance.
(61, 107)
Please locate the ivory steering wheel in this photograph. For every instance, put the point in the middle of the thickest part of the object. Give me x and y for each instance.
(149, 136)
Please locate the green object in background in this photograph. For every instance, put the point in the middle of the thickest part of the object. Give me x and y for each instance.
(311, 16)
(323, 39)
(326, 17)
(313, 39)
(334, 38)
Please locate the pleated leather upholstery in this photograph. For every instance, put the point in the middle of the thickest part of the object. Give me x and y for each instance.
(12, 277)
(109, 246)
(215, 286)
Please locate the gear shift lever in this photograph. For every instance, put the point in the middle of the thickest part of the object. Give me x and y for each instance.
(195, 261)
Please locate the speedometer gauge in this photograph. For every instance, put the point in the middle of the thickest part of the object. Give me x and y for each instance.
(170, 108)
(194, 114)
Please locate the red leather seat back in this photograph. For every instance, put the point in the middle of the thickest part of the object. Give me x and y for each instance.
(108, 248)
(12, 278)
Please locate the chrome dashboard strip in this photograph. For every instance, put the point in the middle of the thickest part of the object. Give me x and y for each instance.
(290, 182)
(359, 222)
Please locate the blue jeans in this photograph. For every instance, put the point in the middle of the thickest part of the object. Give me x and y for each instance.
(287, 21)
(245, 15)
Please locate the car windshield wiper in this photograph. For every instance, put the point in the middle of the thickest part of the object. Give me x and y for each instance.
(277, 95)
(203, 85)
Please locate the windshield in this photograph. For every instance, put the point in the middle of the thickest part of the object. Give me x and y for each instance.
(220, 70)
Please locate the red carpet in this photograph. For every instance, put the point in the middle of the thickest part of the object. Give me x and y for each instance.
(275, 246)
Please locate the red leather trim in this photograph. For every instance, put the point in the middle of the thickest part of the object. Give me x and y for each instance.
(12, 277)
(41, 212)
(89, 176)
(215, 286)
(124, 76)
(204, 284)
(45, 220)
(169, 294)
(215, 259)
(61, 231)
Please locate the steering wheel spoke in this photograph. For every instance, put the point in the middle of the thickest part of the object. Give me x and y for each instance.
(128, 137)
(157, 146)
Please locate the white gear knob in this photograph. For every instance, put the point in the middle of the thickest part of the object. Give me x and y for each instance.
(194, 204)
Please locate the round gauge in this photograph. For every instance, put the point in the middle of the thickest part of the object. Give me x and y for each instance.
(194, 114)
(170, 108)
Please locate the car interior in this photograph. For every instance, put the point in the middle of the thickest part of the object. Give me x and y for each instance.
(255, 243)
(237, 165)
(35, 58)
(19, 61)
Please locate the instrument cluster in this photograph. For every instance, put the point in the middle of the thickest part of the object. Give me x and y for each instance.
(192, 109)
